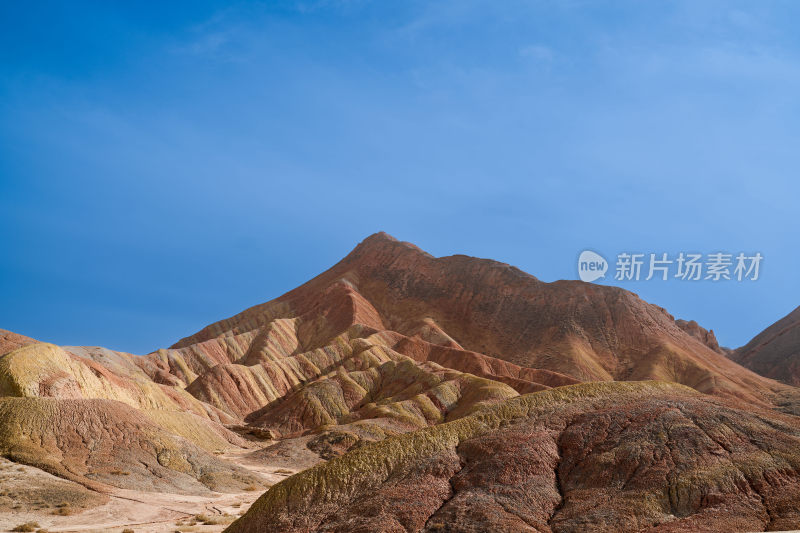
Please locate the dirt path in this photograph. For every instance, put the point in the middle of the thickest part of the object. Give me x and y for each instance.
(152, 512)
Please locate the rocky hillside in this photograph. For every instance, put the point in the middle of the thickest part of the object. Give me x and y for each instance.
(440, 393)
(93, 416)
(705, 336)
(589, 457)
(479, 316)
(775, 352)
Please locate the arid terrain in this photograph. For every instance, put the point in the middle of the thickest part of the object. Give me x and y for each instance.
(775, 352)
(401, 392)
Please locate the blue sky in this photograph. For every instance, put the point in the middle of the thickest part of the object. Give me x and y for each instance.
(164, 165)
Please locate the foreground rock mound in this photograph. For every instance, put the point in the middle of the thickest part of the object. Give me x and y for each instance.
(594, 457)
(94, 417)
(103, 443)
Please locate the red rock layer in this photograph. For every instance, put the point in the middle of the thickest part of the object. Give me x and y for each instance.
(775, 352)
(10, 341)
(700, 333)
(564, 331)
(591, 457)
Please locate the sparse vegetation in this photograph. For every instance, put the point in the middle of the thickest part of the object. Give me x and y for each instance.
(64, 510)
(27, 527)
(206, 520)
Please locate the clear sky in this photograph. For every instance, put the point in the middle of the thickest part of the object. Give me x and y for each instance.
(165, 164)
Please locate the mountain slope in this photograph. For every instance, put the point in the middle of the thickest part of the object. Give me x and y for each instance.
(490, 310)
(103, 443)
(435, 388)
(775, 352)
(92, 416)
(588, 457)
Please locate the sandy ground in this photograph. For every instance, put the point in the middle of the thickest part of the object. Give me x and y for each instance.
(136, 510)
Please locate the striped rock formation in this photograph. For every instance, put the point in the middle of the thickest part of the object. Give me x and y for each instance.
(775, 352)
(589, 457)
(445, 393)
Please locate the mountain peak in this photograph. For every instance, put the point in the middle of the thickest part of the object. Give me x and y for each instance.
(381, 245)
(585, 331)
(380, 236)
